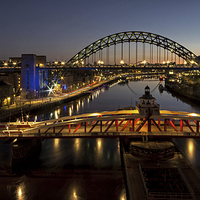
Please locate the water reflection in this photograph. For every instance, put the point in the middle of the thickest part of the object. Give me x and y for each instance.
(20, 191)
(70, 111)
(99, 143)
(56, 143)
(77, 108)
(97, 153)
(99, 148)
(190, 148)
(191, 153)
(74, 195)
(77, 145)
(82, 103)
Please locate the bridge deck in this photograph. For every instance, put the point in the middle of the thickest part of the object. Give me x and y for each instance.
(125, 123)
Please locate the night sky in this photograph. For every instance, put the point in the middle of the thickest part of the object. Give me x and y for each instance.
(59, 29)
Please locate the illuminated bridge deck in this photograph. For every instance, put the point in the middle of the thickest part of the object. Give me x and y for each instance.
(118, 124)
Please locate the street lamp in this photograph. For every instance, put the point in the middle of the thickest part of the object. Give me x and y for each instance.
(144, 62)
(100, 62)
(121, 62)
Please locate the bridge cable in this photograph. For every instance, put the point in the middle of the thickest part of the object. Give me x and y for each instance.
(155, 87)
(131, 89)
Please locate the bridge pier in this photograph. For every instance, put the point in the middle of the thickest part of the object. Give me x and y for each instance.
(126, 144)
(145, 138)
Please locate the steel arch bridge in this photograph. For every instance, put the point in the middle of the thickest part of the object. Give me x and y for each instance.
(137, 37)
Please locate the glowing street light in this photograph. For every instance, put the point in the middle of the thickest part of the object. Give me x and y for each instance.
(144, 62)
(100, 62)
(121, 62)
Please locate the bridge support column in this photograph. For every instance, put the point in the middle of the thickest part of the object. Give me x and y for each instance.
(69, 128)
(101, 124)
(145, 138)
(149, 125)
(116, 124)
(181, 125)
(165, 124)
(197, 128)
(85, 125)
(133, 125)
(126, 142)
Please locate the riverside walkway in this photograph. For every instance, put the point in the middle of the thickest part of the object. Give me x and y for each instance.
(36, 104)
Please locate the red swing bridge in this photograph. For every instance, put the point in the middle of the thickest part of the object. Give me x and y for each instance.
(147, 120)
(119, 124)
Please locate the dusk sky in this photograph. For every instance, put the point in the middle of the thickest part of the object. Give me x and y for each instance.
(59, 29)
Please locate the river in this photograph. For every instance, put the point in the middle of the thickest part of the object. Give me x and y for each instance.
(85, 168)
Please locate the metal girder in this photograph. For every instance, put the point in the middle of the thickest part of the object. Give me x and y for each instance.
(133, 36)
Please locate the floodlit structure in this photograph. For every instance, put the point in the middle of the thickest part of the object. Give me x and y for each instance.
(147, 105)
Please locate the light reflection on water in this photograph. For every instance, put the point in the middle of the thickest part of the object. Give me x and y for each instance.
(85, 153)
(61, 155)
(116, 97)
(124, 95)
(191, 149)
(89, 154)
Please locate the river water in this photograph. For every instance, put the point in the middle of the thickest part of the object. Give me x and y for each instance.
(85, 168)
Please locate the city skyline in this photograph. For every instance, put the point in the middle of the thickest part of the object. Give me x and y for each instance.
(61, 29)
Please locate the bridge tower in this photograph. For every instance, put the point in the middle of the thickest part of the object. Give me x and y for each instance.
(147, 105)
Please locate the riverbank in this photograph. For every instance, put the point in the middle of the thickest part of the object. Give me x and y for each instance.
(185, 92)
(34, 105)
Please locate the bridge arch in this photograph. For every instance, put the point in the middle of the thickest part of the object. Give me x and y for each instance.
(137, 37)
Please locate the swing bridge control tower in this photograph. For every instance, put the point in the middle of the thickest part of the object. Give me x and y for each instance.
(147, 105)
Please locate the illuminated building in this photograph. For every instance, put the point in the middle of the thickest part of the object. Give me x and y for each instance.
(31, 75)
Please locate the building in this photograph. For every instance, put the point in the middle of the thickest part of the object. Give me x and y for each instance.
(32, 77)
(147, 105)
(7, 94)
